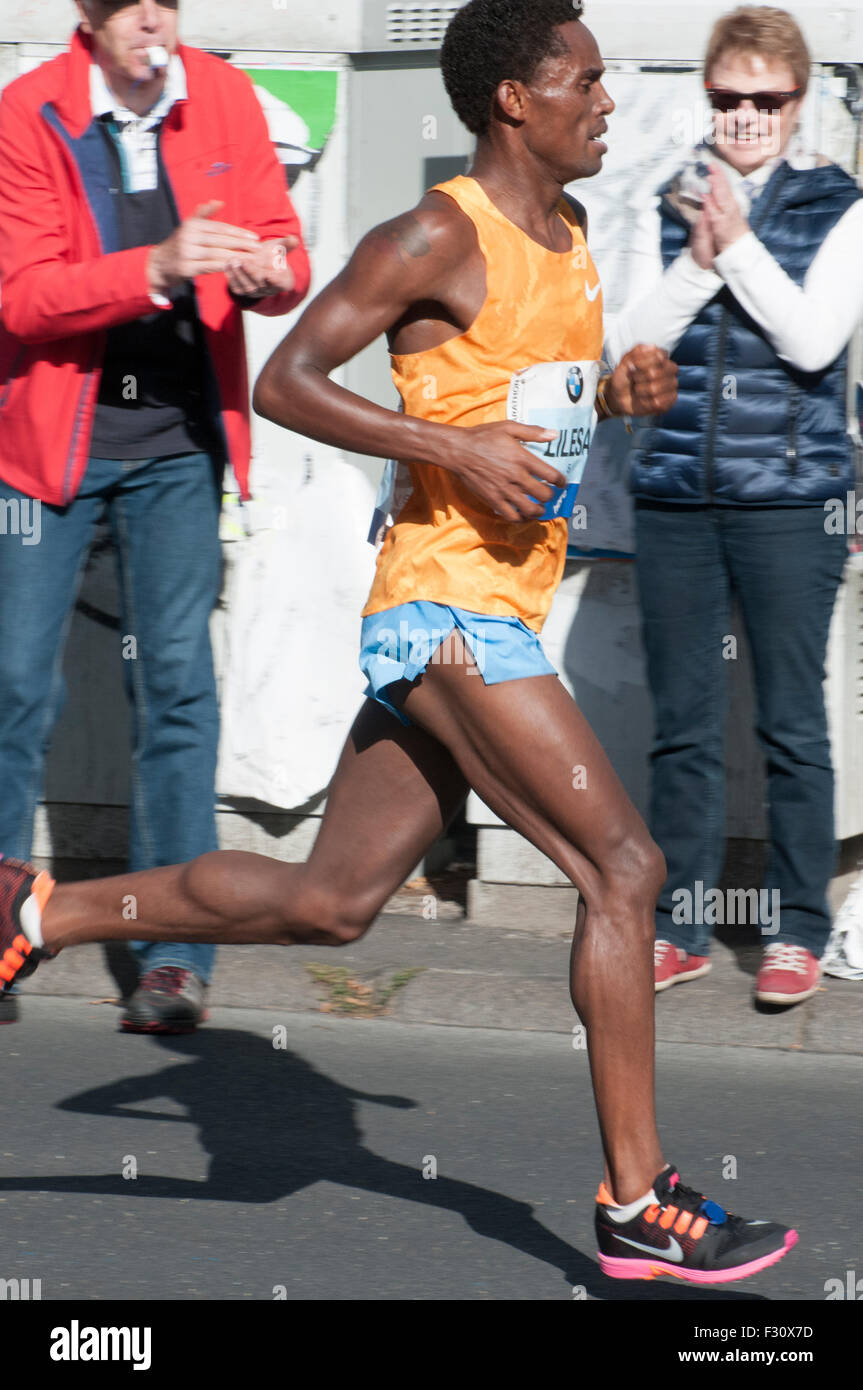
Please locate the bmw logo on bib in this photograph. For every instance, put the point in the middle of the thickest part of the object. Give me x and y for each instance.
(574, 384)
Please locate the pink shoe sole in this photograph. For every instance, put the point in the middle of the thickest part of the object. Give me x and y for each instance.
(618, 1268)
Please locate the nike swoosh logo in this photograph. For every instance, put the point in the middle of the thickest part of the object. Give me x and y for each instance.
(591, 293)
(671, 1252)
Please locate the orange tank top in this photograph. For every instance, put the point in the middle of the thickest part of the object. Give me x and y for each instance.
(446, 546)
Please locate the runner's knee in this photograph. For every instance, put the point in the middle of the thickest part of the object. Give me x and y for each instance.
(634, 872)
(329, 917)
(344, 931)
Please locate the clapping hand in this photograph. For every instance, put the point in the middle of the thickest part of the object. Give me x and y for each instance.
(721, 222)
(264, 271)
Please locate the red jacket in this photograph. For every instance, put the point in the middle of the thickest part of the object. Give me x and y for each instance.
(62, 282)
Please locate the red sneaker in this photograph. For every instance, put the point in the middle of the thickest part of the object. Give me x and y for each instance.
(788, 974)
(671, 966)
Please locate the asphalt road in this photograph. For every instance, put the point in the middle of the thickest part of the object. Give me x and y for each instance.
(299, 1168)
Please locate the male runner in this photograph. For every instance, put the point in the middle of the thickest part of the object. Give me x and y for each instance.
(486, 277)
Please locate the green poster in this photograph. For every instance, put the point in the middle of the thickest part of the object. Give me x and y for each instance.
(310, 93)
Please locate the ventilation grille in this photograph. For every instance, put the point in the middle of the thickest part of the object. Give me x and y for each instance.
(423, 24)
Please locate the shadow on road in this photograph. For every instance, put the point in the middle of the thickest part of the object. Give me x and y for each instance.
(273, 1124)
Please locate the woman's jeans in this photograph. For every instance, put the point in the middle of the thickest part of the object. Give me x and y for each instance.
(164, 514)
(785, 570)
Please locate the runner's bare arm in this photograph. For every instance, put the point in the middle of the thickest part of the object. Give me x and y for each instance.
(418, 259)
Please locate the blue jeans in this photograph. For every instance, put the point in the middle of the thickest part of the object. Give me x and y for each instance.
(164, 514)
(785, 570)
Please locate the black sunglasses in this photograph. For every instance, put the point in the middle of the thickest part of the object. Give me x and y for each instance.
(721, 99)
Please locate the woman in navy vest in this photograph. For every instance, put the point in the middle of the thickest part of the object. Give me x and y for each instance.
(761, 288)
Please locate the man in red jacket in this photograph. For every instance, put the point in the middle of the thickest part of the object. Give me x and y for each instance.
(141, 210)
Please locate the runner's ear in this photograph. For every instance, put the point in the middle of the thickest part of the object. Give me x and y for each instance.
(509, 101)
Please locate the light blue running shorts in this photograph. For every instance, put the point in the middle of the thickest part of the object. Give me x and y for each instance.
(399, 643)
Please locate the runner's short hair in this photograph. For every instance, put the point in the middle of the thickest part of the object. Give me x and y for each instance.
(488, 41)
(761, 29)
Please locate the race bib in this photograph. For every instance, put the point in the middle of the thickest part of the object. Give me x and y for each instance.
(558, 396)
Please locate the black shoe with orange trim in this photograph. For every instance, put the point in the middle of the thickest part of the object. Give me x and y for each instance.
(683, 1234)
(24, 892)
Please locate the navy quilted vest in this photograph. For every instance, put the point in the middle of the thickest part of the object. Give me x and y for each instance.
(747, 427)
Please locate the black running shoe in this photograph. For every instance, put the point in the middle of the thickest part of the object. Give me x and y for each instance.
(167, 1000)
(685, 1235)
(24, 892)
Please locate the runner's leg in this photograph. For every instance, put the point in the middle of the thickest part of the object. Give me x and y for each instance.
(532, 757)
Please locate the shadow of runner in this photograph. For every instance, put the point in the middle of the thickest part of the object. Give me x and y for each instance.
(273, 1124)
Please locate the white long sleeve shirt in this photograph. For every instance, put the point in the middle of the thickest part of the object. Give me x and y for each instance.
(808, 325)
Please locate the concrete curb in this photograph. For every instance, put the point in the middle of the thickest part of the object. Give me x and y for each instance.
(482, 978)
